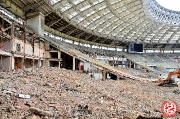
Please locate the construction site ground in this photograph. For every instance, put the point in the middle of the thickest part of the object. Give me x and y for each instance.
(52, 93)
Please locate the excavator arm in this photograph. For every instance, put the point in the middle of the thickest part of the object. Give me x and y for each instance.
(168, 79)
(170, 75)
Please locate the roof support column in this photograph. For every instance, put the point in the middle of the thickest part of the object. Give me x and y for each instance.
(74, 63)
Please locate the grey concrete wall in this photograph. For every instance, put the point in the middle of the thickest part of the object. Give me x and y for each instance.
(6, 45)
(5, 63)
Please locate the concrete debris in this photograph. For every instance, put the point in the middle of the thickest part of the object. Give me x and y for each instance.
(40, 112)
(10, 108)
(7, 92)
(52, 93)
(141, 117)
(24, 96)
(33, 117)
(176, 91)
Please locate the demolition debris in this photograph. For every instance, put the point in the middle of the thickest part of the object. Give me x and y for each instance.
(51, 93)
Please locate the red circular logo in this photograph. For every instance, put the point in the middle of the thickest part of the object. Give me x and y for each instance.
(169, 109)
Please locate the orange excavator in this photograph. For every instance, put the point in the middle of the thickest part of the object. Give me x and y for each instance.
(168, 81)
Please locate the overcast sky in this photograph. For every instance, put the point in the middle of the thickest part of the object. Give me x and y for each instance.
(170, 4)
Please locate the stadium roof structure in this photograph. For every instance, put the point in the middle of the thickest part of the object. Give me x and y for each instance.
(112, 22)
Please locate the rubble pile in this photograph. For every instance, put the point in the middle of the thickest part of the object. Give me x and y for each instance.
(52, 93)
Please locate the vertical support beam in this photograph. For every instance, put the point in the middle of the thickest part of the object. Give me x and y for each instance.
(118, 77)
(74, 63)
(39, 46)
(32, 43)
(59, 55)
(46, 63)
(134, 66)
(12, 62)
(12, 36)
(129, 64)
(39, 60)
(104, 74)
(24, 41)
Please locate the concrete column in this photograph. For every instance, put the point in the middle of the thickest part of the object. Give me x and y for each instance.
(46, 63)
(12, 62)
(103, 75)
(134, 66)
(24, 40)
(118, 77)
(129, 64)
(59, 55)
(36, 22)
(113, 63)
(74, 63)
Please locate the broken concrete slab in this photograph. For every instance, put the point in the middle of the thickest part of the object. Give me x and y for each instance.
(24, 96)
(40, 112)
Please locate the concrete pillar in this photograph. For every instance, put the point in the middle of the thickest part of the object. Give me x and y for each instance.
(134, 66)
(129, 64)
(46, 63)
(118, 77)
(74, 63)
(59, 55)
(36, 21)
(12, 62)
(104, 75)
